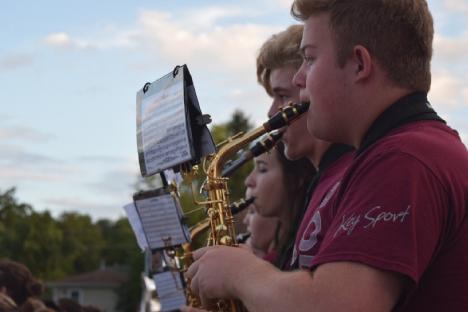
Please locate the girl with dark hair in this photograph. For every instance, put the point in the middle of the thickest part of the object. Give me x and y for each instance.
(279, 187)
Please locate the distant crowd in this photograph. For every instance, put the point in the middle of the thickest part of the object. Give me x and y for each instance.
(21, 291)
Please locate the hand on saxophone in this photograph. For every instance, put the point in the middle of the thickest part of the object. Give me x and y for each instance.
(218, 272)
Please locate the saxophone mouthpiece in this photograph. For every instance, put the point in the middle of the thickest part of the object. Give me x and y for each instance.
(286, 115)
(241, 205)
(242, 237)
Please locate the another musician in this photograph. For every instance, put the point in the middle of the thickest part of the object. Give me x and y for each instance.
(399, 233)
(279, 188)
(277, 63)
(263, 232)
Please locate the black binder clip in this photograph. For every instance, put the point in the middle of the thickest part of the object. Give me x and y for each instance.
(203, 120)
(146, 87)
(175, 71)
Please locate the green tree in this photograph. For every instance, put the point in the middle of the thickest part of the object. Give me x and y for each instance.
(13, 224)
(120, 244)
(72, 244)
(121, 249)
(29, 237)
(238, 123)
(82, 243)
(42, 247)
(129, 293)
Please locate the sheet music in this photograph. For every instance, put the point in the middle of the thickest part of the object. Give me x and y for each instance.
(136, 225)
(163, 125)
(160, 220)
(170, 290)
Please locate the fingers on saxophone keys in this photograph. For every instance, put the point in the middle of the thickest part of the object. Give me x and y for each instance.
(192, 270)
(194, 286)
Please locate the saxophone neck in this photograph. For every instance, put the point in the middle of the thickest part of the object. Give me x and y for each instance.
(230, 148)
(281, 119)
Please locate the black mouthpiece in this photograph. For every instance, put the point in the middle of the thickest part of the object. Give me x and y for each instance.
(266, 144)
(286, 115)
(242, 237)
(241, 205)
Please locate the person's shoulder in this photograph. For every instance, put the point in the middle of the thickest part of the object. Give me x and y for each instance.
(427, 141)
(425, 133)
(429, 148)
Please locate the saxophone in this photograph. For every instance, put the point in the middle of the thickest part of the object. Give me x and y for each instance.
(220, 218)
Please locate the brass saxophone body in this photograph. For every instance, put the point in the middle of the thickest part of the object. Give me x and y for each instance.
(220, 218)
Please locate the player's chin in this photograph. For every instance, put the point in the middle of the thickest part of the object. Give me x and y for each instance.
(290, 153)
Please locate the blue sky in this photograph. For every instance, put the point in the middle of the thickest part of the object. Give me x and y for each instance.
(69, 73)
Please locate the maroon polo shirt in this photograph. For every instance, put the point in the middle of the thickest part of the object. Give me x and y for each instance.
(402, 207)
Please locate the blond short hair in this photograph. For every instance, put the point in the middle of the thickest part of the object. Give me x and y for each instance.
(281, 49)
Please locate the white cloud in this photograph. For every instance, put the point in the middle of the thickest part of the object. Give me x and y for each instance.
(116, 182)
(14, 61)
(448, 90)
(221, 59)
(23, 133)
(15, 175)
(230, 47)
(285, 3)
(96, 208)
(465, 94)
(207, 17)
(453, 49)
(460, 6)
(17, 155)
(101, 159)
(110, 39)
(60, 39)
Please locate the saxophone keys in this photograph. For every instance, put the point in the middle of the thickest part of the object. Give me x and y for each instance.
(226, 240)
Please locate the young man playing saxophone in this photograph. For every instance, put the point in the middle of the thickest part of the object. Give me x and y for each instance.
(399, 236)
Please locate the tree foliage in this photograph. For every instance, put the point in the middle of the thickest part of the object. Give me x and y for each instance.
(53, 248)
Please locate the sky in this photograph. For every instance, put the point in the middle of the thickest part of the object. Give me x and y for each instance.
(70, 70)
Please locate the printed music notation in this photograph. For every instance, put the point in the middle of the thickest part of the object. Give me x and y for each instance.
(170, 290)
(163, 126)
(160, 221)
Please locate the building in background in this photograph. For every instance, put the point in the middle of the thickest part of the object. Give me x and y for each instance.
(97, 288)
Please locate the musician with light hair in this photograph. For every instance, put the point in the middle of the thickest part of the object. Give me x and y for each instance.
(277, 63)
(398, 235)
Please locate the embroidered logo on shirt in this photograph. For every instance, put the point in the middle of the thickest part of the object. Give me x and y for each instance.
(373, 216)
